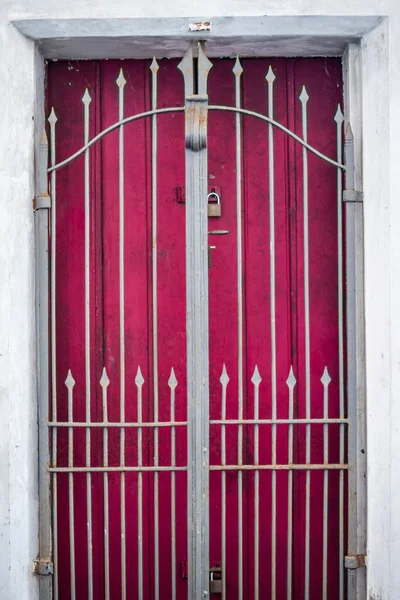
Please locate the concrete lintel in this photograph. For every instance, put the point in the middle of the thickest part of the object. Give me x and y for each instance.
(144, 37)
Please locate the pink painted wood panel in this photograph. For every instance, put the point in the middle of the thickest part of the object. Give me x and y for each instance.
(66, 85)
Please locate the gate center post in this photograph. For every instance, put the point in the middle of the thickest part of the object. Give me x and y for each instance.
(196, 112)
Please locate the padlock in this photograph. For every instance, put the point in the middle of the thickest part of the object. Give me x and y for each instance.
(214, 208)
(215, 580)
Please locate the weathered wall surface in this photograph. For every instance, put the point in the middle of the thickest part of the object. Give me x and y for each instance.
(21, 83)
(18, 431)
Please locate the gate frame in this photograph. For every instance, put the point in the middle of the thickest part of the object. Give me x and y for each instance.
(352, 67)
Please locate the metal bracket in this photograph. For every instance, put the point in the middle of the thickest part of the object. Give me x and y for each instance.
(41, 201)
(352, 196)
(43, 567)
(196, 122)
(355, 561)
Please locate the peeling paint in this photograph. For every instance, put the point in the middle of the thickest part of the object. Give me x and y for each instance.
(201, 26)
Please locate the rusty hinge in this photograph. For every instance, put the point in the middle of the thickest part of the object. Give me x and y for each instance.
(43, 567)
(354, 561)
(41, 201)
(352, 196)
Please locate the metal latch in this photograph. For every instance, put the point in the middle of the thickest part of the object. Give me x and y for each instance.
(41, 201)
(354, 561)
(43, 567)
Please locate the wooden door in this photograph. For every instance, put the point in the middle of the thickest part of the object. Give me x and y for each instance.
(119, 312)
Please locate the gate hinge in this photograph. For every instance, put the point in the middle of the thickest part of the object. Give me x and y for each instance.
(43, 567)
(354, 561)
(41, 201)
(352, 196)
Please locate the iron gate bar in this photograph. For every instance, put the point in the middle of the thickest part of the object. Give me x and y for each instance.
(304, 100)
(237, 71)
(325, 380)
(290, 382)
(154, 72)
(256, 380)
(105, 382)
(46, 547)
(339, 118)
(86, 102)
(355, 364)
(172, 383)
(197, 322)
(139, 381)
(161, 111)
(270, 78)
(145, 469)
(52, 122)
(121, 82)
(70, 383)
(139, 425)
(224, 380)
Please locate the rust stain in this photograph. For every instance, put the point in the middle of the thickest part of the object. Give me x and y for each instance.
(200, 26)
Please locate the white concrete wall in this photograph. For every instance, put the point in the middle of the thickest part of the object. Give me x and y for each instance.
(377, 204)
(381, 160)
(394, 236)
(18, 431)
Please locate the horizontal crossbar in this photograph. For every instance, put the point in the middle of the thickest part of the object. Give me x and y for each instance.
(120, 425)
(153, 424)
(157, 469)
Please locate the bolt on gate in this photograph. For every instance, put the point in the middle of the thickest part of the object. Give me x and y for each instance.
(94, 441)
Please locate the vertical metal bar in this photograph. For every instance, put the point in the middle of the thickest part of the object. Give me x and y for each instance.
(197, 334)
(86, 102)
(238, 70)
(325, 379)
(70, 382)
(139, 381)
(339, 175)
(304, 100)
(355, 328)
(121, 81)
(290, 382)
(105, 382)
(52, 121)
(42, 337)
(355, 370)
(154, 70)
(270, 77)
(172, 382)
(224, 380)
(256, 380)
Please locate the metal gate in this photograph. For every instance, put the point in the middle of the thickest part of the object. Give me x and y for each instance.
(81, 448)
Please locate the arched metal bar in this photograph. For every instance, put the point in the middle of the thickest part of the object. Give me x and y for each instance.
(112, 127)
(282, 128)
(233, 109)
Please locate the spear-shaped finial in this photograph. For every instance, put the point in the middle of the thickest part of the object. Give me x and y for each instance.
(237, 68)
(121, 81)
(270, 76)
(139, 378)
(224, 379)
(304, 97)
(172, 381)
(86, 98)
(256, 378)
(291, 380)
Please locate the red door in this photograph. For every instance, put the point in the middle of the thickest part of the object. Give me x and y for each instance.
(277, 482)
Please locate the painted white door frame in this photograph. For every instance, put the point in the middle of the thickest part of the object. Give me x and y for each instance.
(364, 44)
